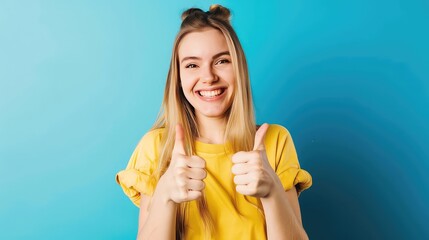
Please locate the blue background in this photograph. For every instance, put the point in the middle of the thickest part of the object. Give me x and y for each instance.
(82, 81)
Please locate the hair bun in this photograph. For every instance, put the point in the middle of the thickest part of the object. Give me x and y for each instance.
(190, 11)
(220, 12)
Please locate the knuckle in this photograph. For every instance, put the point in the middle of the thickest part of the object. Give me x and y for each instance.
(201, 162)
(180, 183)
(179, 171)
(196, 173)
(253, 188)
(199, 171)
(237, 156)
(202, 185)
(234, 169)
(239, 153)
(197, 195)
(179, 161)
(197, 161)
(236, 179)
(203, 173)
(255, 154)
(255, 167)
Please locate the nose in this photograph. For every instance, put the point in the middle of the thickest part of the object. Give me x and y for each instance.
(208, 75)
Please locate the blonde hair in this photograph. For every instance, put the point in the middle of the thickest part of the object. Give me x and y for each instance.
(240, 127)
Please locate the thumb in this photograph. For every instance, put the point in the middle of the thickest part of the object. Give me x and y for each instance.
(179, 143)
(260, 136)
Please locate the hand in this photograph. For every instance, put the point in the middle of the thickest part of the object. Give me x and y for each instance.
(253, 174)
(184, 177)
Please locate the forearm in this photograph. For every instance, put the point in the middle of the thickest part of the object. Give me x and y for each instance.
(283, 221)
(160, 222)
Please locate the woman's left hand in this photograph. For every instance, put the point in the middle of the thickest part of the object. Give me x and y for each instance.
(253, 174)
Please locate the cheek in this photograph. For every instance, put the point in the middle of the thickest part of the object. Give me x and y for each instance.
(186, 85)
(187, 82)
(186, 89)
(228, 76)
(231, 81)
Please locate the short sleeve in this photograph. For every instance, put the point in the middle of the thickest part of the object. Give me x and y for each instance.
(136, 178)
(282, 156)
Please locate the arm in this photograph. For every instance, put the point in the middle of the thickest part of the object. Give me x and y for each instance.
(183, 181)
(255, 177)
(157, 219)
(282, 214)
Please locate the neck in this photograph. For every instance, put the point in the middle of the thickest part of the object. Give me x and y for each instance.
(212, 130)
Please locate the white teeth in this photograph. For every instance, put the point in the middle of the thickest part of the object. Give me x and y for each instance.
(213, 93)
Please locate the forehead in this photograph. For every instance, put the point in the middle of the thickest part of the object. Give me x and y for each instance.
(202, 44)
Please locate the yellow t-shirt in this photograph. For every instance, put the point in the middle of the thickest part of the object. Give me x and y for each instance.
(241, 220)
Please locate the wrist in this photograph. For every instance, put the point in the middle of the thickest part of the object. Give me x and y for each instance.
(276, 189)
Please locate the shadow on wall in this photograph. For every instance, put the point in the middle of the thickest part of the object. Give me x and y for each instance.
(359, 125)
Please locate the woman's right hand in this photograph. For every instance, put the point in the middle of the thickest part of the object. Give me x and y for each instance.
(183, 179)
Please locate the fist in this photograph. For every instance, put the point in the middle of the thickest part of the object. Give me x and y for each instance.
(184, 177)
(253, 175)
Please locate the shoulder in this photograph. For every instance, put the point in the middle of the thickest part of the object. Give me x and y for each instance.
(277, 130)
(153, 135)
(151, 140)
(277, 137)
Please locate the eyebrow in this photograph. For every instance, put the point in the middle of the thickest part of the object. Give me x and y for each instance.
(198, 58)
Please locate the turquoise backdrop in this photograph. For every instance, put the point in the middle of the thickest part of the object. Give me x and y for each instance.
(82, 81)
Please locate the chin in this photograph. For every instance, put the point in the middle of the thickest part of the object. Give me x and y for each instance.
(213, 114)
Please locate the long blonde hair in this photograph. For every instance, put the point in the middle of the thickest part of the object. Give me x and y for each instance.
(175, 109)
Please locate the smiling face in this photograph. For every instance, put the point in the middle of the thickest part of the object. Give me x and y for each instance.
(206, 73)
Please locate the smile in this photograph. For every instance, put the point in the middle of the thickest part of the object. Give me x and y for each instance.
(211, 93)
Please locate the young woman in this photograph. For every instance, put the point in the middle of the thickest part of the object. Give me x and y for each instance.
(206, 170)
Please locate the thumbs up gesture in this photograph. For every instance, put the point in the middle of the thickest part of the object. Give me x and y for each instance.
(253, 174)
(184, 177)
